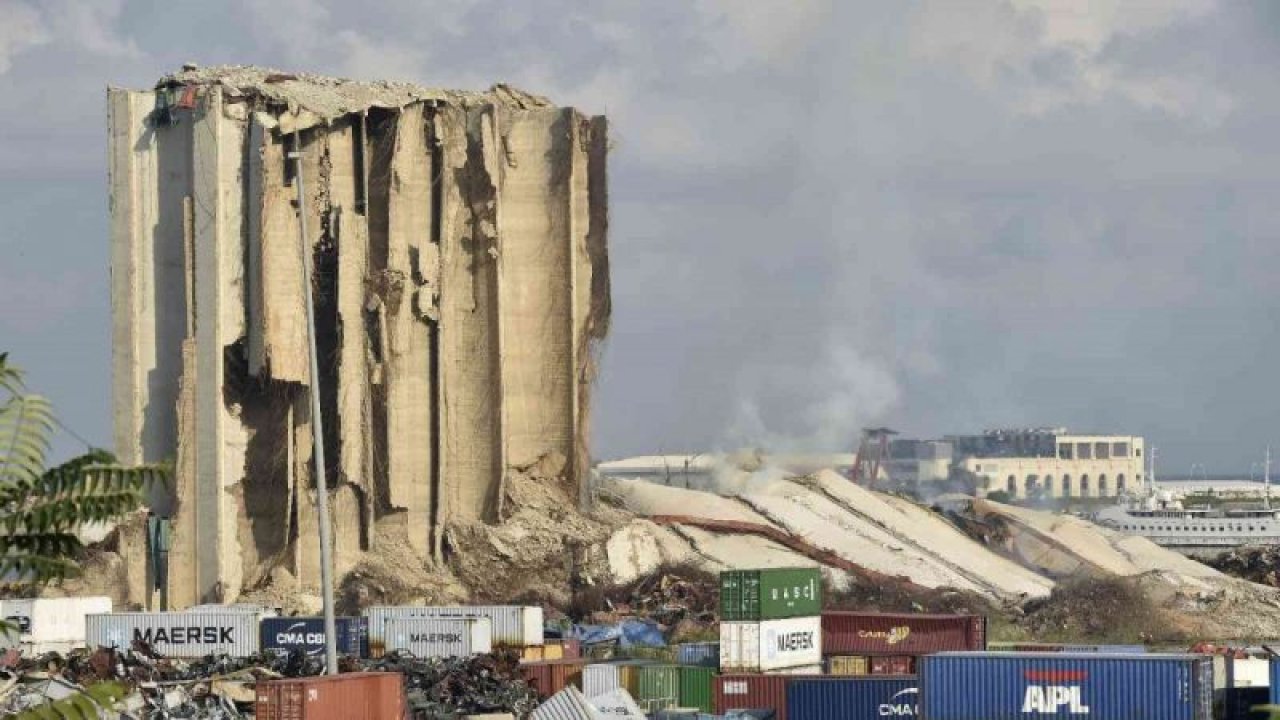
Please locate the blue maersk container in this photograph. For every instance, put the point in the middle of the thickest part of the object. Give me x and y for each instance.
(1005, 686)
(282, 634)
(863, 696)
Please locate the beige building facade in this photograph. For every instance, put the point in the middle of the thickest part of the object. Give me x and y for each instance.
(1088, 466)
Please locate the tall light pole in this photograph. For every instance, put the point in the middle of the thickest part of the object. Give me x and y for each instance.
(317, 426)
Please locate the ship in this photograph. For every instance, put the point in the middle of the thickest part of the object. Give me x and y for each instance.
(1161, 518)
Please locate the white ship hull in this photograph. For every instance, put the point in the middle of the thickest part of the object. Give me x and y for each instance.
(1194, 533)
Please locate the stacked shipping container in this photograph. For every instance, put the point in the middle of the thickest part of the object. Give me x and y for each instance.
(770, 619)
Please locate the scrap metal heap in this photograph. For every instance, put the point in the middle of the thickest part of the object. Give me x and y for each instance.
(461, 284)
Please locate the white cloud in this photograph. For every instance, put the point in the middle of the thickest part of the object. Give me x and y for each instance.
(91, 25)
(20, 29)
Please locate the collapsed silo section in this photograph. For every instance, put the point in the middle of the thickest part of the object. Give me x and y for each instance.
(460, 284)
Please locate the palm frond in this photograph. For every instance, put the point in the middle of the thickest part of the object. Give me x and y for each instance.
(26, 423)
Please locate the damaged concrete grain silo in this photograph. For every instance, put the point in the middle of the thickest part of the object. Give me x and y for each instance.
(461, 282)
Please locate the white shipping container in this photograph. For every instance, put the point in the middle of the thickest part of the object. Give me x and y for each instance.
(179, 634)
(49, 624)
(513, 625)
(436, 637)
(600, 679)
(770, 644)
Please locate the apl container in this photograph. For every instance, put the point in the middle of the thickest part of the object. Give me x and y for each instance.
(177, 634)
(286, 634)
(770, 644)
(513, 625)
(438, 637)
(705, 654)
(853, 697)
(770, 594)
(49, 624)
(375, 696)
(862, 633)
(695, 688)
(658, 687)
(549, 678)
(1009, 686)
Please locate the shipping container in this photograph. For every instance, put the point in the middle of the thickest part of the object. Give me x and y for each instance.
(802, 670)
(770, 644)
(1068, 647)
(755, 692)
(600, 679)
(770, 594)
(1275, 681)
(1005, 686)
(438, 637)
(848, 665)
(367, 695)
(853, 697)
(891, 665)
(863, 633)
(1247, 672)
(533, 653)
(570, 649)
(695, 687)
(286, 634)
(513, 626)
(177, 634)
(704, 654)
(658, 687)
(549, 678)
(49, 624)
(566, 704)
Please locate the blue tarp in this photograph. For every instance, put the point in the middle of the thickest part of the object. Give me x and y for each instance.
(626, 633)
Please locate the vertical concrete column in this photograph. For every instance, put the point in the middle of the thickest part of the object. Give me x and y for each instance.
(537, 241)
(410, 398)
(469, 377)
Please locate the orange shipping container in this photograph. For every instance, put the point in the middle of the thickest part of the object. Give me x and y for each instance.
(550, 677)
(353, 696)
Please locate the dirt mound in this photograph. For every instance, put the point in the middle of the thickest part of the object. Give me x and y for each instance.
(1255, 564)
(1104, 610)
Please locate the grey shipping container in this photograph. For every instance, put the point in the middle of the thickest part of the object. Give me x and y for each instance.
(307, 634)
(512, 625)
(703, 654)
(439, 637)
(177, 634)
(600, 679)
(1005, 686)
(770, 594)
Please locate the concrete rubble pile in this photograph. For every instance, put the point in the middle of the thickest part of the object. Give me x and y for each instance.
(461, 288)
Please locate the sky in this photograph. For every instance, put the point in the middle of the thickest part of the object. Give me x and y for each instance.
(941, 216)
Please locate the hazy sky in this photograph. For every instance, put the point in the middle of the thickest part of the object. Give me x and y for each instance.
(943, 216)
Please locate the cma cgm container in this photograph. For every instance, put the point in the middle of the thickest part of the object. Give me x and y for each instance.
(755, 692)
(853, 697)
(549, 678)
(286, 634)
(1005, 686)
(513, 626)
(863, 633)
(770, 644)
(770, 594)
(377, 696)
(438, 637)
(177, 634)
(49, 624)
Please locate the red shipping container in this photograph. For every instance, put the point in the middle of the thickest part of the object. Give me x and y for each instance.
(892, 665)
(353, 696)
(755, 692)
(863, 633)
(552, 676)
(572, 649)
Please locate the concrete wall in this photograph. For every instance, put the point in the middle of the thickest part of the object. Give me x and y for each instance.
(460, 281)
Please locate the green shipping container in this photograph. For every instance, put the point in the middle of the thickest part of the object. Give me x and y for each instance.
(659, 687)
(696, 688)
(770, 594)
